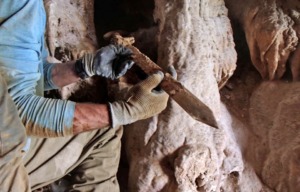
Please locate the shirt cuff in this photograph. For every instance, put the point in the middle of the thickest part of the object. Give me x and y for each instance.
(48, 83)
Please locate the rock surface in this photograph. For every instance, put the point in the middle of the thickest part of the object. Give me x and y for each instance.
(272, 32)
(275, 122)
(188, 28)
(172, 152)
(70, 34)
(70, 29)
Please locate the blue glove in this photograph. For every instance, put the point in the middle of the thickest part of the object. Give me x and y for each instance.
(109, 62)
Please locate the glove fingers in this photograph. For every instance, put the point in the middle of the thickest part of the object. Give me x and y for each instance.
(125, 66)
(126, 52)
(121, 50)
(158, 91)
(172, 72)
(153, 81)
(107, 53)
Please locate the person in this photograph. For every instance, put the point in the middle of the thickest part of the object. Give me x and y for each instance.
(43, 140)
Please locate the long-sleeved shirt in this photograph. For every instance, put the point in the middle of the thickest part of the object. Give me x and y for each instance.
(24, 66)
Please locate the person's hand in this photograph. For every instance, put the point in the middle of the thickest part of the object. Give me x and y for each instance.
(141, 101)
(109, 62)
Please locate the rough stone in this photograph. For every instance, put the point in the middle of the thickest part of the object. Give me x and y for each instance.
(272, 32)
(70, 34)
(274, 121)
(70, 29)
(172, 152)
(194, 27)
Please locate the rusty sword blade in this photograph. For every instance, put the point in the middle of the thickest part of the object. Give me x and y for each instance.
(195, 107)
(189, 102)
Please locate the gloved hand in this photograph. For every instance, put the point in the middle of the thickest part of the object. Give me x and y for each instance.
(108, 62)
(141, 101)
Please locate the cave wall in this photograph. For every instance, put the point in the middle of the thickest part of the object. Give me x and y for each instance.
(70, 34)
(271, 29)
(275, 121)
(256, 147)
(70, 31)
(272, 33)
(172, 152)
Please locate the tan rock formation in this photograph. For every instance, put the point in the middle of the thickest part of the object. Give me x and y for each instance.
(182, 22)
(70, 29)
(272, 32)
(70, 34)
(275, 122)
(172, 152)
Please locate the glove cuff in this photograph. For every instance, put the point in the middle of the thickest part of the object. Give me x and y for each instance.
(80, 69)
(111, 114)
(120, 113)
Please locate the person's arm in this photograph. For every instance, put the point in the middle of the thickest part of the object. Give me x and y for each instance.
(107, 62)
(57, 75)
(140, 102)
(20, 59)
(88, 117)
(64, 74)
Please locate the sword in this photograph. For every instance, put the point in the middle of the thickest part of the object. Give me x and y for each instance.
(189, 102)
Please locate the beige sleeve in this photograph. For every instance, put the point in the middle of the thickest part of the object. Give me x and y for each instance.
(13, 176)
